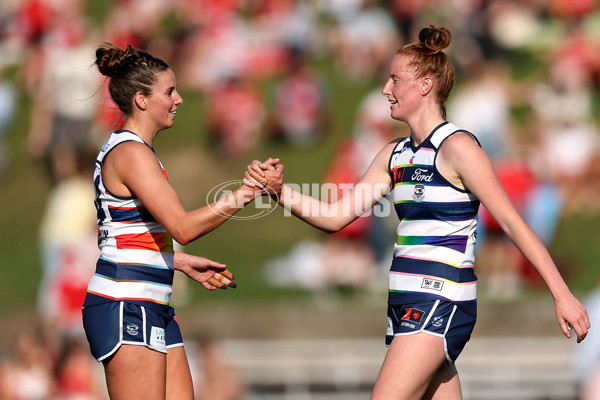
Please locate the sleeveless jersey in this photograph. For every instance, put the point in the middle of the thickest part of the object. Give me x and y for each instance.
(434, 252)
(136, 252)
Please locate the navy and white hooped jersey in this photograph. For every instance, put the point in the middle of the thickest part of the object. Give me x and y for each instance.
(434, 252)
(136, 252)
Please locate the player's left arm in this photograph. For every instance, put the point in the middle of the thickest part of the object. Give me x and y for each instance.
(210, 274)
(465, 164)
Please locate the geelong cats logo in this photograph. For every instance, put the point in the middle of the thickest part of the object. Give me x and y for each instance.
(419, 192)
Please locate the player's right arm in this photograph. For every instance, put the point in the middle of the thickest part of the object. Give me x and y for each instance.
(131, 169)
(337, 214)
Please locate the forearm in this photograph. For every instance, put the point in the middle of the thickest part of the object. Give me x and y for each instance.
(570, 313)
(201, 221)
(329, 217)
(536, 253)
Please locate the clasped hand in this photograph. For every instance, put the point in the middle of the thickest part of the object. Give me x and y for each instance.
(266, 176)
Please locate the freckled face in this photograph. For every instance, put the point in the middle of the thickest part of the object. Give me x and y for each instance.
(402, 89)
(164, 100)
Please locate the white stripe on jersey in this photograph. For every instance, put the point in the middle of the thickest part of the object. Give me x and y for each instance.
(440, 254)
(434, 194)
(434, 228)
(399, 281)
(137, 256)
(147, 291)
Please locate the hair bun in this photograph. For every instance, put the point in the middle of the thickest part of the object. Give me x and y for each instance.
(435, 39)
(109, 58)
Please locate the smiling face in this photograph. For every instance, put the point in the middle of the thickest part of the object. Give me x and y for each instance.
(162, 103)
(403, 89)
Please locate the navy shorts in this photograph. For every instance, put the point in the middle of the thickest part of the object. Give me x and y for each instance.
(109, 325)
(436, 317)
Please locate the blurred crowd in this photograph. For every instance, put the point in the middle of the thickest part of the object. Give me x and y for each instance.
(528, 74)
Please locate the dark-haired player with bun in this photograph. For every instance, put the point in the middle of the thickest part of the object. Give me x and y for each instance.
(128, 321)
(437, 177)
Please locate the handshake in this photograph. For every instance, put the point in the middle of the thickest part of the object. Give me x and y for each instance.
(266, 176)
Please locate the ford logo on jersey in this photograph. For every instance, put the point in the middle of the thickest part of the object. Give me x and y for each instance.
(421, 175)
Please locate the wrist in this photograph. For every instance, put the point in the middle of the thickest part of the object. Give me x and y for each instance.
(560, 293)
(178, 260)
(557, 286)
(286, 195)
(245, 195)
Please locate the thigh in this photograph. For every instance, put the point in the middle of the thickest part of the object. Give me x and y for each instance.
(410, 365)
(445, 384)
(136, 372)
(179, 377)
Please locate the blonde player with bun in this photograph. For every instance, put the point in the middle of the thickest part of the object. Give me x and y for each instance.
(437, 177)
(128, 322)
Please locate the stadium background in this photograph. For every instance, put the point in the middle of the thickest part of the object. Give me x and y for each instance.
(539, 34)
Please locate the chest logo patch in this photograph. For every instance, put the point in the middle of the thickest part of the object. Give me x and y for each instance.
(419, 193)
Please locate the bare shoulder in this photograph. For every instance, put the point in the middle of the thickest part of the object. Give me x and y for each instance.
(460, 155)
(460, 139)
(133, 147)
(391, 145)
(385, 153)
(395, 141)
(128, 164)
(132, 153)
(460, 145)
(378, 171)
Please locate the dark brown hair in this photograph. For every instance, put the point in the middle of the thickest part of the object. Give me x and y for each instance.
(130, 71)
(428, 58)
